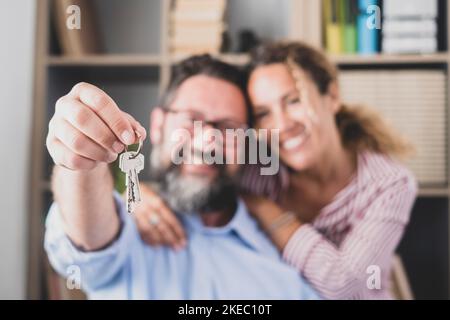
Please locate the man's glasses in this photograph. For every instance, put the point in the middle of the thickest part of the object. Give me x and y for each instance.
(187, 119)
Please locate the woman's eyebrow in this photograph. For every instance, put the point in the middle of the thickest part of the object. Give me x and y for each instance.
(283, 99)
(289, 95)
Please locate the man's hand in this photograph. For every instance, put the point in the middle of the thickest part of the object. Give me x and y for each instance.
(157, 224)
(87, 131)
(88, 128)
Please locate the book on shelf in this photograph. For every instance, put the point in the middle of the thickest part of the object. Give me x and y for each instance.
(412, 26)
(77, 42)
(411, 44)
(212, 42)
(186, 14)
(333, 30)
(202, 5)
(368, 37)
(345, 27)
(410, 8)
(208, 32)
(197, 26)
(349, 13)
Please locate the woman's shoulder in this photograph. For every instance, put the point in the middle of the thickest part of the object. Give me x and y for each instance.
(383, 171)
(386, 184)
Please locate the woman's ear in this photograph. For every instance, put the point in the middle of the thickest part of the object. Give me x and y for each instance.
(335, 97)
(156, 125)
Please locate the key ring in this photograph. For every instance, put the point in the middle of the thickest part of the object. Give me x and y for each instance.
(136, 153)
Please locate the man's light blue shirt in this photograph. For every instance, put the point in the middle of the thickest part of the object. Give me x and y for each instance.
(236, 261)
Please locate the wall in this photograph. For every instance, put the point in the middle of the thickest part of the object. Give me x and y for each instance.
(17, 24)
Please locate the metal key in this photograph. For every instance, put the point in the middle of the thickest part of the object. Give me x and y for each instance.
(131, 163)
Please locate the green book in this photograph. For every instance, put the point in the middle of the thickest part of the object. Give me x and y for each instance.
(349, 12)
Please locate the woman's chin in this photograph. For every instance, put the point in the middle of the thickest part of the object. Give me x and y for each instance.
(297, 162)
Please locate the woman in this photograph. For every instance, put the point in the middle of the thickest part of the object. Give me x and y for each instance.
(344, 200)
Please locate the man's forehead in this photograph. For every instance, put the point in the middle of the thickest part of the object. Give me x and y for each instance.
(216, 98)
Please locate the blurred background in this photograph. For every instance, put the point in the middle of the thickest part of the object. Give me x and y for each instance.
(400, 67)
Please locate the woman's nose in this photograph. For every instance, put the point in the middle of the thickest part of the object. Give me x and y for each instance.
(282, 120)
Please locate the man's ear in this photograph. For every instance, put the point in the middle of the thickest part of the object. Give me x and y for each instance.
(156, 125)
(335, 96)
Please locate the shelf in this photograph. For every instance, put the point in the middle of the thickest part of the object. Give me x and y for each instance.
(390, 59)
(106, 60)
(434, 192)
(241, 59)
(232, 58)
(134, 60)
(238, 59)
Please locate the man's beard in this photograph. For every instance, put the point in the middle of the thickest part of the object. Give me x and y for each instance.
(191, 193)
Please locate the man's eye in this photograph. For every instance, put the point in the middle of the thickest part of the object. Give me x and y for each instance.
(194, 118)
(261, 114)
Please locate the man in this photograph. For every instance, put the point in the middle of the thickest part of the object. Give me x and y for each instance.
(227, 257)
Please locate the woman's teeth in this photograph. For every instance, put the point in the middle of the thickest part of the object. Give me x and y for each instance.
(293, 142)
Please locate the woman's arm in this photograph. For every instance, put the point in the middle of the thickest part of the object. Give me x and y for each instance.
(341, 272)
(278, 224)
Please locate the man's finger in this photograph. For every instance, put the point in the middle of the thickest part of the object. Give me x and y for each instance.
(137, 126)
(88, 122)
(63, 156)
(107, 110)
(80, 144)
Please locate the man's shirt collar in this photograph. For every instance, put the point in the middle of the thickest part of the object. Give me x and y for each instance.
(242, 224)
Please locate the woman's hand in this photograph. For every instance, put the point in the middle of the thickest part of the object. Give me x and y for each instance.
(156, 223)
(278, 224)
(263, 209)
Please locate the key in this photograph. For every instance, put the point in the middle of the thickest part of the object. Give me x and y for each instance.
(131, 164)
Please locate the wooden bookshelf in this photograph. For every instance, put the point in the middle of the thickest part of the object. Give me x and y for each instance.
(107, 60)
(390, 59)
(135, 69)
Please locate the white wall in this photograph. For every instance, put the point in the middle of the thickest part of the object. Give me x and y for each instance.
(17, 24)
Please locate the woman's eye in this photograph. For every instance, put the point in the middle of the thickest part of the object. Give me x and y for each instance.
(293, 101)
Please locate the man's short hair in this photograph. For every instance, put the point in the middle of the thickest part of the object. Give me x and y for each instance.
(208, 66)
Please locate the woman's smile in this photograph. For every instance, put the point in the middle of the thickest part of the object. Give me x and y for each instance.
(294, 139)
(295, 143)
